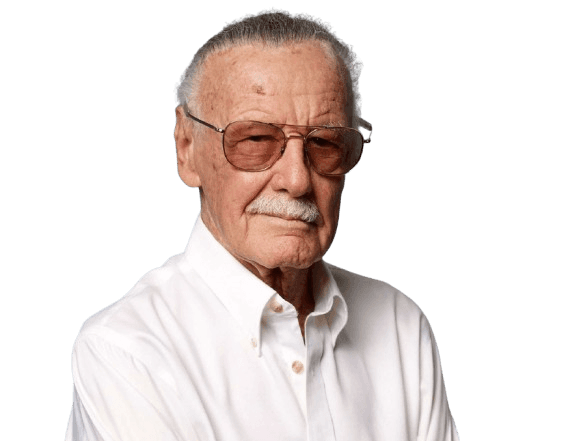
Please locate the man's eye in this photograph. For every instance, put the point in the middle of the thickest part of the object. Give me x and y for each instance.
(323, 143)
(260, 138)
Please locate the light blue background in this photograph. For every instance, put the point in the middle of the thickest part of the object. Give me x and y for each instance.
(458, 200)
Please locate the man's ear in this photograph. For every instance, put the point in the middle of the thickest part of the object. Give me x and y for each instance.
(185, 142)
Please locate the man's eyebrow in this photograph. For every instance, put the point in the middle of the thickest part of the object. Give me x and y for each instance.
(326, 120)
(331, 123)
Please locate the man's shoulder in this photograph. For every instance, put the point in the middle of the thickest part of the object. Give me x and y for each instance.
(141, 314)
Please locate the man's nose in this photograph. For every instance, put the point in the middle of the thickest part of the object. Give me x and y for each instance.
(293, 172)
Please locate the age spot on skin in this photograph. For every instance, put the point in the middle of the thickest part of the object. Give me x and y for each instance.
(258, 89)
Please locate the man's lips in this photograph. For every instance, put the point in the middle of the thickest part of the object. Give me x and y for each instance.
(287, 218)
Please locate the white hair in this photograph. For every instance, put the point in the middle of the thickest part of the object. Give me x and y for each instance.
(274, 28)
(302, 209)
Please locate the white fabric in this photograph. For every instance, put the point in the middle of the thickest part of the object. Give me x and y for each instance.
(201, 349)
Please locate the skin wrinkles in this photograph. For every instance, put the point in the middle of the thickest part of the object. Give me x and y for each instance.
(269, 119)
(302, 88)
(289, 85)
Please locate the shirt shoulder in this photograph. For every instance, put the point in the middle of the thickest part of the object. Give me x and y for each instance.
(361, 292)
(377, 308)
(146, 289)
(143, 318)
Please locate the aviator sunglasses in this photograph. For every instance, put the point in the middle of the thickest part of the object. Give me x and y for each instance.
(255, 146)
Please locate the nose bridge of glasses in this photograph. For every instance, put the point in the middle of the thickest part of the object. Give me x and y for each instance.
(296, 136)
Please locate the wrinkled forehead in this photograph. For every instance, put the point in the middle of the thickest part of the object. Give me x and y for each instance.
(262, 71)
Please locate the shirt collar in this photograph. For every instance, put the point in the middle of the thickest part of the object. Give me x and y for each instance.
(245, 296)
(329, 300)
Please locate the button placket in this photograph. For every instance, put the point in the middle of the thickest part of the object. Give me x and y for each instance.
(321, 427)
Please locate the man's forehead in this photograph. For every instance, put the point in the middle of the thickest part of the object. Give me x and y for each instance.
(259, 71)
(258, 65)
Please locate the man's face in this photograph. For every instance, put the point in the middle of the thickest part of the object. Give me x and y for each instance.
(295, 85)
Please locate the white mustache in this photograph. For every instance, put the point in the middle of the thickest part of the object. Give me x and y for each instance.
(301, 209)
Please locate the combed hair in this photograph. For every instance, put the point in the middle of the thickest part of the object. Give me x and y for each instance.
(273, 29)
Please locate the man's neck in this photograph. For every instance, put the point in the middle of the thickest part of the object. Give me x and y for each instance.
(294, 285)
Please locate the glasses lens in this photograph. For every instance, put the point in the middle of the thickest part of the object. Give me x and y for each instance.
(334, 151)
(252, 146)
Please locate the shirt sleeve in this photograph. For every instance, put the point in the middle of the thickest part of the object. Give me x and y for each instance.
(436, 423)
(116, 398)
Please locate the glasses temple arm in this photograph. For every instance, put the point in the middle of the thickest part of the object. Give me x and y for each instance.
(188, 115)
(366, 125)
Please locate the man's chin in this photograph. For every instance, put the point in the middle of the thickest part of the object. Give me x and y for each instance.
(288, 252)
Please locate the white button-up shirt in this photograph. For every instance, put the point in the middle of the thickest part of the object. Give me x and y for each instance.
(201, 349)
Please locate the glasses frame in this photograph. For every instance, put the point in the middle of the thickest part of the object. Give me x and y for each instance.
(363, 123)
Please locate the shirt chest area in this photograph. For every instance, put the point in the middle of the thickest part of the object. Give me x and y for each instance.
(273, 384)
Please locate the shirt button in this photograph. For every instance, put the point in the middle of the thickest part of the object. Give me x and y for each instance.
(297, 367)
(276, 307)
(254, 342)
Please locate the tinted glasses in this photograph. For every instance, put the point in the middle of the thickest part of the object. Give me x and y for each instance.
(256, 146)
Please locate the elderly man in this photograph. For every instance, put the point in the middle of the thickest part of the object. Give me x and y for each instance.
(249, 335)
